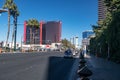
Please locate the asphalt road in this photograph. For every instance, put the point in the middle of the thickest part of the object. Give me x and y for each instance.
(35, 66)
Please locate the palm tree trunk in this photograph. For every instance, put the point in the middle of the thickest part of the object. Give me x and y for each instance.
(12, 37)
(14, 33)
(15, 23)
(8, 29)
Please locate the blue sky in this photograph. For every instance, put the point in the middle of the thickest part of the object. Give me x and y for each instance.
(76, 15)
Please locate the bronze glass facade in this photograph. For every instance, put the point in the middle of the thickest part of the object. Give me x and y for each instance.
(31, 34)
(52, 32)
(48, 32)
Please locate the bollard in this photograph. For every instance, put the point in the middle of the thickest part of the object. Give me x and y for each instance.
(82, 63)
(81, 56)
(84, 72)
(84, 79)
(81, 66)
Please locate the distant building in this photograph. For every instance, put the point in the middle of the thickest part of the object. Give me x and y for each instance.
(48, 32)
(85, 41)
(52, 32)
(33, 36)
(76, 43)
(9, 45)
(101, 10)
(87, 33)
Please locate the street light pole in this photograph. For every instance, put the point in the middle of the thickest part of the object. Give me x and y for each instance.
(1, 11)
(21, 43)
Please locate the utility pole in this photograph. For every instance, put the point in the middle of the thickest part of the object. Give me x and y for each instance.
(21, 43)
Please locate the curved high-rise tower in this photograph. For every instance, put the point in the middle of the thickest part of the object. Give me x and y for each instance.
(101, 10)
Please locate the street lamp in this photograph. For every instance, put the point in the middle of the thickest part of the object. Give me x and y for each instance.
(3, 10)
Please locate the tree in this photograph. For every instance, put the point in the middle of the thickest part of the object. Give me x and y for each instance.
(15, 14)
(113, 29)
(33, 24)
(67, 44)
(8, 5)
(108, 31)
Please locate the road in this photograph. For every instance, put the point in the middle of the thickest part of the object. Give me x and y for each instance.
(35, 66)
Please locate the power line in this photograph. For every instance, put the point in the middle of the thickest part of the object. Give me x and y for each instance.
(12, 24)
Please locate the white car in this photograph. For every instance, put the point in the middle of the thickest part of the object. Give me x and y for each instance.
(74, 53)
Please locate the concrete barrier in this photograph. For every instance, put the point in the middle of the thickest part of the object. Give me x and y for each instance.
(73, 72)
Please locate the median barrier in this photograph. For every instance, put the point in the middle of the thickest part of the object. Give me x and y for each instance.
(83, 72)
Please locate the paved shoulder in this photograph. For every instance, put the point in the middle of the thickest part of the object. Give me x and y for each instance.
(103, 69)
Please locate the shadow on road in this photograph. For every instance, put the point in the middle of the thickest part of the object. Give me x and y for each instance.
(59, 68)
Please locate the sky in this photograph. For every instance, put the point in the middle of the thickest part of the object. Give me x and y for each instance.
(76, 16)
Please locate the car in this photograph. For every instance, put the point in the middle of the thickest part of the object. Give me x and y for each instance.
(68, 54)
(74, 53)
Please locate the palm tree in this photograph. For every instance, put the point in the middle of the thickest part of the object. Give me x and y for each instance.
(32, 23)
(66, 44)
(15, 14)
(8, 5)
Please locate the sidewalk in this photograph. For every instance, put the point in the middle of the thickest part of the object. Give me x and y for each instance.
(102, 69)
